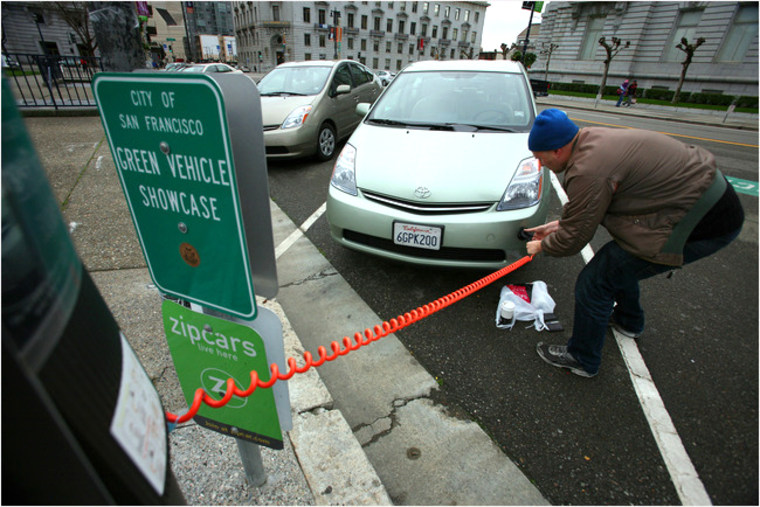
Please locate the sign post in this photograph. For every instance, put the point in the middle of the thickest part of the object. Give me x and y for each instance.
(190, 156)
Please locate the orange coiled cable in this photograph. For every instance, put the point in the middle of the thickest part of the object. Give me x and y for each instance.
(379, 331)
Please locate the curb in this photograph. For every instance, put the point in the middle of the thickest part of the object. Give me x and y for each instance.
(331, 458)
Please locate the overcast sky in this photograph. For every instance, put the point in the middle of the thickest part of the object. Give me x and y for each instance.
(504, 21)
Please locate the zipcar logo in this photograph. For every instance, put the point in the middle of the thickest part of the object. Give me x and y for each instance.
(214, 381)
(422, 192)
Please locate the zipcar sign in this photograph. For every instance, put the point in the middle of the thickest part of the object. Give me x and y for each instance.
(170, 143)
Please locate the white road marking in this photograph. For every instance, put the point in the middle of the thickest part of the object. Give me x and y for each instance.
(296, 235)
(688, 485)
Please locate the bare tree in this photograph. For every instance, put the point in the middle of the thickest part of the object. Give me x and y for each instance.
(548, 50)
(612, 51)
(76, 16)
(689, 49)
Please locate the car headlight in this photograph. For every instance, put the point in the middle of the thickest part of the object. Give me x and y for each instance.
(344, 172)
(296, 118)
(525, 188)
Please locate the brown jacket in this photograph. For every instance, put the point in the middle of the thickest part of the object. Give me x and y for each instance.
(637, 184)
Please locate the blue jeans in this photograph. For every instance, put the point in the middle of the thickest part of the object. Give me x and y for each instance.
(612, 277)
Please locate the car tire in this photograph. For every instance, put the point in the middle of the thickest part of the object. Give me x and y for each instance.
(326, 142)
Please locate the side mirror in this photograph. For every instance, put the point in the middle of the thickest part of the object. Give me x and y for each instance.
(343, 89)
(362, 108)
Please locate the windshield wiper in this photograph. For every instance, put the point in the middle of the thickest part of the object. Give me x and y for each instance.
(281, 94)
(481, 127)
(397, 123)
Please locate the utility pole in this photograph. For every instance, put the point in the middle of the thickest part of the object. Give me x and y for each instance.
(336, 21)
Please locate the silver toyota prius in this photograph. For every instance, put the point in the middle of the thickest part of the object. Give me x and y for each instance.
(439, 171)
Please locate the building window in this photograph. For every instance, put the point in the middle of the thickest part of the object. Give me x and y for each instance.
(435, 31)
(375, 62)
(400, 48)
(741, 34)
(401, 25)
(364, 44)
(474, 37)
(445, 34)
(376, 46)
(411, 49)
(307, 56)
(275, 13)
(467, 15)
(453, 53)
(437, 9)
(377, 24)
(307, 39)
(414, 7)
(446, 12)
(412, 28)
(387, 64)
(454, 34)
(424, 30)
(387, 46)
(425, 7)
(306, 15)
(322, 16)
(456, 14)
(594, 27)
(477, 17)
(389, 25)
(686, 27)
(322, 41)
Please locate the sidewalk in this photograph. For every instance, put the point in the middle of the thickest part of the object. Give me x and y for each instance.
(745, 121)
(367, 429)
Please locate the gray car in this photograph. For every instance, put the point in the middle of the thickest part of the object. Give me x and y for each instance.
(308, 107)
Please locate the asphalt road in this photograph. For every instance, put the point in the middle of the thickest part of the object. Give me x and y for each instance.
(586, 441)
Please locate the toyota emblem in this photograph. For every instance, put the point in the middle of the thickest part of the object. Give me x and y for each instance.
(422, 192)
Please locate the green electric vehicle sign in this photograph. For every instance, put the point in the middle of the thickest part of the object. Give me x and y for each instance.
(170, 143)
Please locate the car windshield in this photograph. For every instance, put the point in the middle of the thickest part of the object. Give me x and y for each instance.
(195, 68)
(307, 80)
(450, 98)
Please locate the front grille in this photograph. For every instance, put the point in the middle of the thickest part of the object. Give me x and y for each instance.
(277, 150)
(445, 253)
(425, 208)
(268, 128)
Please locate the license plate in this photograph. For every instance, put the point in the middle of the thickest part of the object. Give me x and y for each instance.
(417, 236)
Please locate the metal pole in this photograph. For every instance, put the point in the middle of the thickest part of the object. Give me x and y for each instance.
(527, 34)
(250, 454)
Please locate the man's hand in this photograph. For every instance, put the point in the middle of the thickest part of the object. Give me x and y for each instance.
(533, 247)
(541, 231)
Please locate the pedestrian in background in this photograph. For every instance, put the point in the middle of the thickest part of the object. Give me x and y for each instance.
(664, 203)
(621, 92)
(630, 94)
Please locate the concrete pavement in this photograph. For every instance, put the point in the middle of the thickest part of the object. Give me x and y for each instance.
(367, 427)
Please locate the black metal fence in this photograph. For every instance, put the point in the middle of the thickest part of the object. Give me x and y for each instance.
(50, 80)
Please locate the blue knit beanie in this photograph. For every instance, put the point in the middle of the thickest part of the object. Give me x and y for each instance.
(551, 130)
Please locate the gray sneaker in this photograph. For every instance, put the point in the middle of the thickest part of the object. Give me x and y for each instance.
(617, 327)
(557, 355)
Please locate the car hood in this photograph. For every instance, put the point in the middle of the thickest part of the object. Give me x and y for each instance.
(455, 167)
(274, 110)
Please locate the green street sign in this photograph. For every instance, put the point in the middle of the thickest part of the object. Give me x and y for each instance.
(206, 352)
(172, 150)
(171, 39)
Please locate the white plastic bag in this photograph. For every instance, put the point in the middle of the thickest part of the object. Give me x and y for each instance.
(540, 304)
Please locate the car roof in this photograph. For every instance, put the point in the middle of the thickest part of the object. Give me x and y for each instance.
(465, 65)
(315, 63)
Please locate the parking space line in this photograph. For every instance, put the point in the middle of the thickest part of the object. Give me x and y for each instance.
(296, 235)
(684, 476)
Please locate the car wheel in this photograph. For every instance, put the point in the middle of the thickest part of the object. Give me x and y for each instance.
(326, 142)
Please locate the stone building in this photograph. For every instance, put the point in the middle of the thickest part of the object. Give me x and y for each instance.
(382, 35)
(726, 63)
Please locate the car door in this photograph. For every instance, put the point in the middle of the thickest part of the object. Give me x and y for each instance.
(365, 87)
(342, 105)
